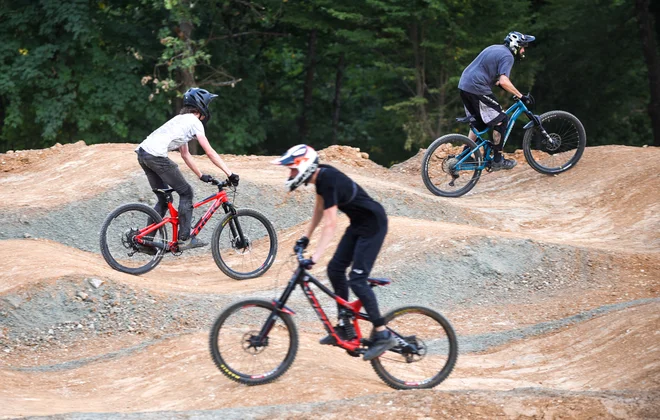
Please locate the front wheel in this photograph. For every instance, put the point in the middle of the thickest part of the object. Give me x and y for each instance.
(451, 165)
(563, 147)
(240, 353)
(244, 244)
(427, 351)
(118, 245)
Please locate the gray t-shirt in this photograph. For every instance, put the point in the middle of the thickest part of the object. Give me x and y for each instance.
(485, 70)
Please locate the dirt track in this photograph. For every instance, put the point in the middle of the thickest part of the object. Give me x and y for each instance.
(552, 283)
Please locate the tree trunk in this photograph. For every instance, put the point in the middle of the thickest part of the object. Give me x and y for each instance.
(650, 48)
(303, 126)
(336, 103)
(187, 75)
(420, 76)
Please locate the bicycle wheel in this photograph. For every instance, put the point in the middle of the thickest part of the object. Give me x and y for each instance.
(237, 354)
(441, 172)
(429, 358)
(244, 245)
(119, 249)
(562, 152)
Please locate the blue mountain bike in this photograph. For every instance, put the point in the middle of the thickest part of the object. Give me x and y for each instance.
(553, 143)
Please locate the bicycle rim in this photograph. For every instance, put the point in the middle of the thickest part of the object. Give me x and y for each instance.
(450, 167)
(235, 352)
(435, 355)
(244, 244)
(120, 249)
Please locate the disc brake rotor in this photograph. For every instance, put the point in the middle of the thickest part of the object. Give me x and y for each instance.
(554, 143)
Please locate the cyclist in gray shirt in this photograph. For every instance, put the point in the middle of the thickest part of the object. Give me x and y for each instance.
(492, 67)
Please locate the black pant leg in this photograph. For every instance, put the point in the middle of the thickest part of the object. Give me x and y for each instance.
(155, 182)
(364, 256)
(340, 262)
(170, 174)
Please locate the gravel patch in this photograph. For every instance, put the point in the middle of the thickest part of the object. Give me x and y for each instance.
(78, 224)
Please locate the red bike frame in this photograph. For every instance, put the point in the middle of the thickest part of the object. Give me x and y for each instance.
(218, 199)
(302, 277)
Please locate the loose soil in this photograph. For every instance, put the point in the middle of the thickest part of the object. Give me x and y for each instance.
(552, 284)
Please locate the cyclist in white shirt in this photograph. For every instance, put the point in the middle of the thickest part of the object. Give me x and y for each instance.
(164, 173)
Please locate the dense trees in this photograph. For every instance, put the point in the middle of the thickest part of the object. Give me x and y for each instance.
(376, 74)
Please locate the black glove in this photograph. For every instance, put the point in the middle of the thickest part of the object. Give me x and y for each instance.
(301, 244)
(528, 100)
(233, 178)
(307, 263)
(206, 178)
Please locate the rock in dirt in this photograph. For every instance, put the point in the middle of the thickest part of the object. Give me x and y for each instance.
(95, 282)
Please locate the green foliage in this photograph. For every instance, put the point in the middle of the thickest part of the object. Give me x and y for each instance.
(106, 71)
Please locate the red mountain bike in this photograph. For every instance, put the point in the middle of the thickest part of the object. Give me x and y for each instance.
(134, 236)
(255, 341)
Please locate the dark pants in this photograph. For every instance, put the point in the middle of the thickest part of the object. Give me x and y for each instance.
(362, 252)
(487, 112)
(163, 173)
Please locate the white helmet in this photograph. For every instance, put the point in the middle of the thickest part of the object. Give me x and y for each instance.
(303, 158)
(516, 40)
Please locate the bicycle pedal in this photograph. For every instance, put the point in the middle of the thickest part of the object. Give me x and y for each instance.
(353, 353)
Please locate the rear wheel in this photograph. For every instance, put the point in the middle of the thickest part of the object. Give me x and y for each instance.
(562, 150)
(427, 353)
(238, 352)
(244, 244)
(445, 171)
(118, 245)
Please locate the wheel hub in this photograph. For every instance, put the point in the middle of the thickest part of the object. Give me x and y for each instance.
(252, 344)
(448, 165)
(416, 351)
(128, 239)
(553, 142)
(242, 246)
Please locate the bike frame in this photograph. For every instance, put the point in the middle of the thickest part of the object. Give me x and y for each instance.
(218, 199)
(514, 112)
(304, 278)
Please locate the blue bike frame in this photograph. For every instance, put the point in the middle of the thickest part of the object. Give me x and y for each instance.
(514, 112)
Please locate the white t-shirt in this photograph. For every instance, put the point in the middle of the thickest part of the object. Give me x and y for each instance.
(172, 135)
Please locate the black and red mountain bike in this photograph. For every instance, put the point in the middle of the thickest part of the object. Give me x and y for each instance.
(255, 341)
(134, 238)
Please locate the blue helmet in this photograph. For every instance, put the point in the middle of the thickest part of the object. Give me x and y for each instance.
(516, 40)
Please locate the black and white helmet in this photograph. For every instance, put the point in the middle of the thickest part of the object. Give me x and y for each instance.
(200, 99)
(303, 158)
(516, 40)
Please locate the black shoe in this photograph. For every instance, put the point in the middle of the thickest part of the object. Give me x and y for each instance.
(329, 340)
(503, 164)
(381, 341)
(191, 243)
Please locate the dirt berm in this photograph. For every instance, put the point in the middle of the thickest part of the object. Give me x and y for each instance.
(552, 284)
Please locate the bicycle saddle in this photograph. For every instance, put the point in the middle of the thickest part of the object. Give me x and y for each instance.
(379, 281)
(165, 191)
(467, 119)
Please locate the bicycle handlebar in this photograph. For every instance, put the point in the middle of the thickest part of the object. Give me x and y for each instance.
(220, 184)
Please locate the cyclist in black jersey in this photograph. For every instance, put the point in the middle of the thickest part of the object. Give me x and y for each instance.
(360, 244)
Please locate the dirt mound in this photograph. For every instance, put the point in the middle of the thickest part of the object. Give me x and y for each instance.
(552, 279)
(347, 155)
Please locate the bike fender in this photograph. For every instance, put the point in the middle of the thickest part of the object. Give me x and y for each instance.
(534, 121)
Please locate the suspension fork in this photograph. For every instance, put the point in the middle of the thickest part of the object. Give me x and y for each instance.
(280, 306)
(536, 120)
(234, 225)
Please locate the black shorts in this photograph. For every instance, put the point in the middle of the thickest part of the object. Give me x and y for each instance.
(484, 108)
